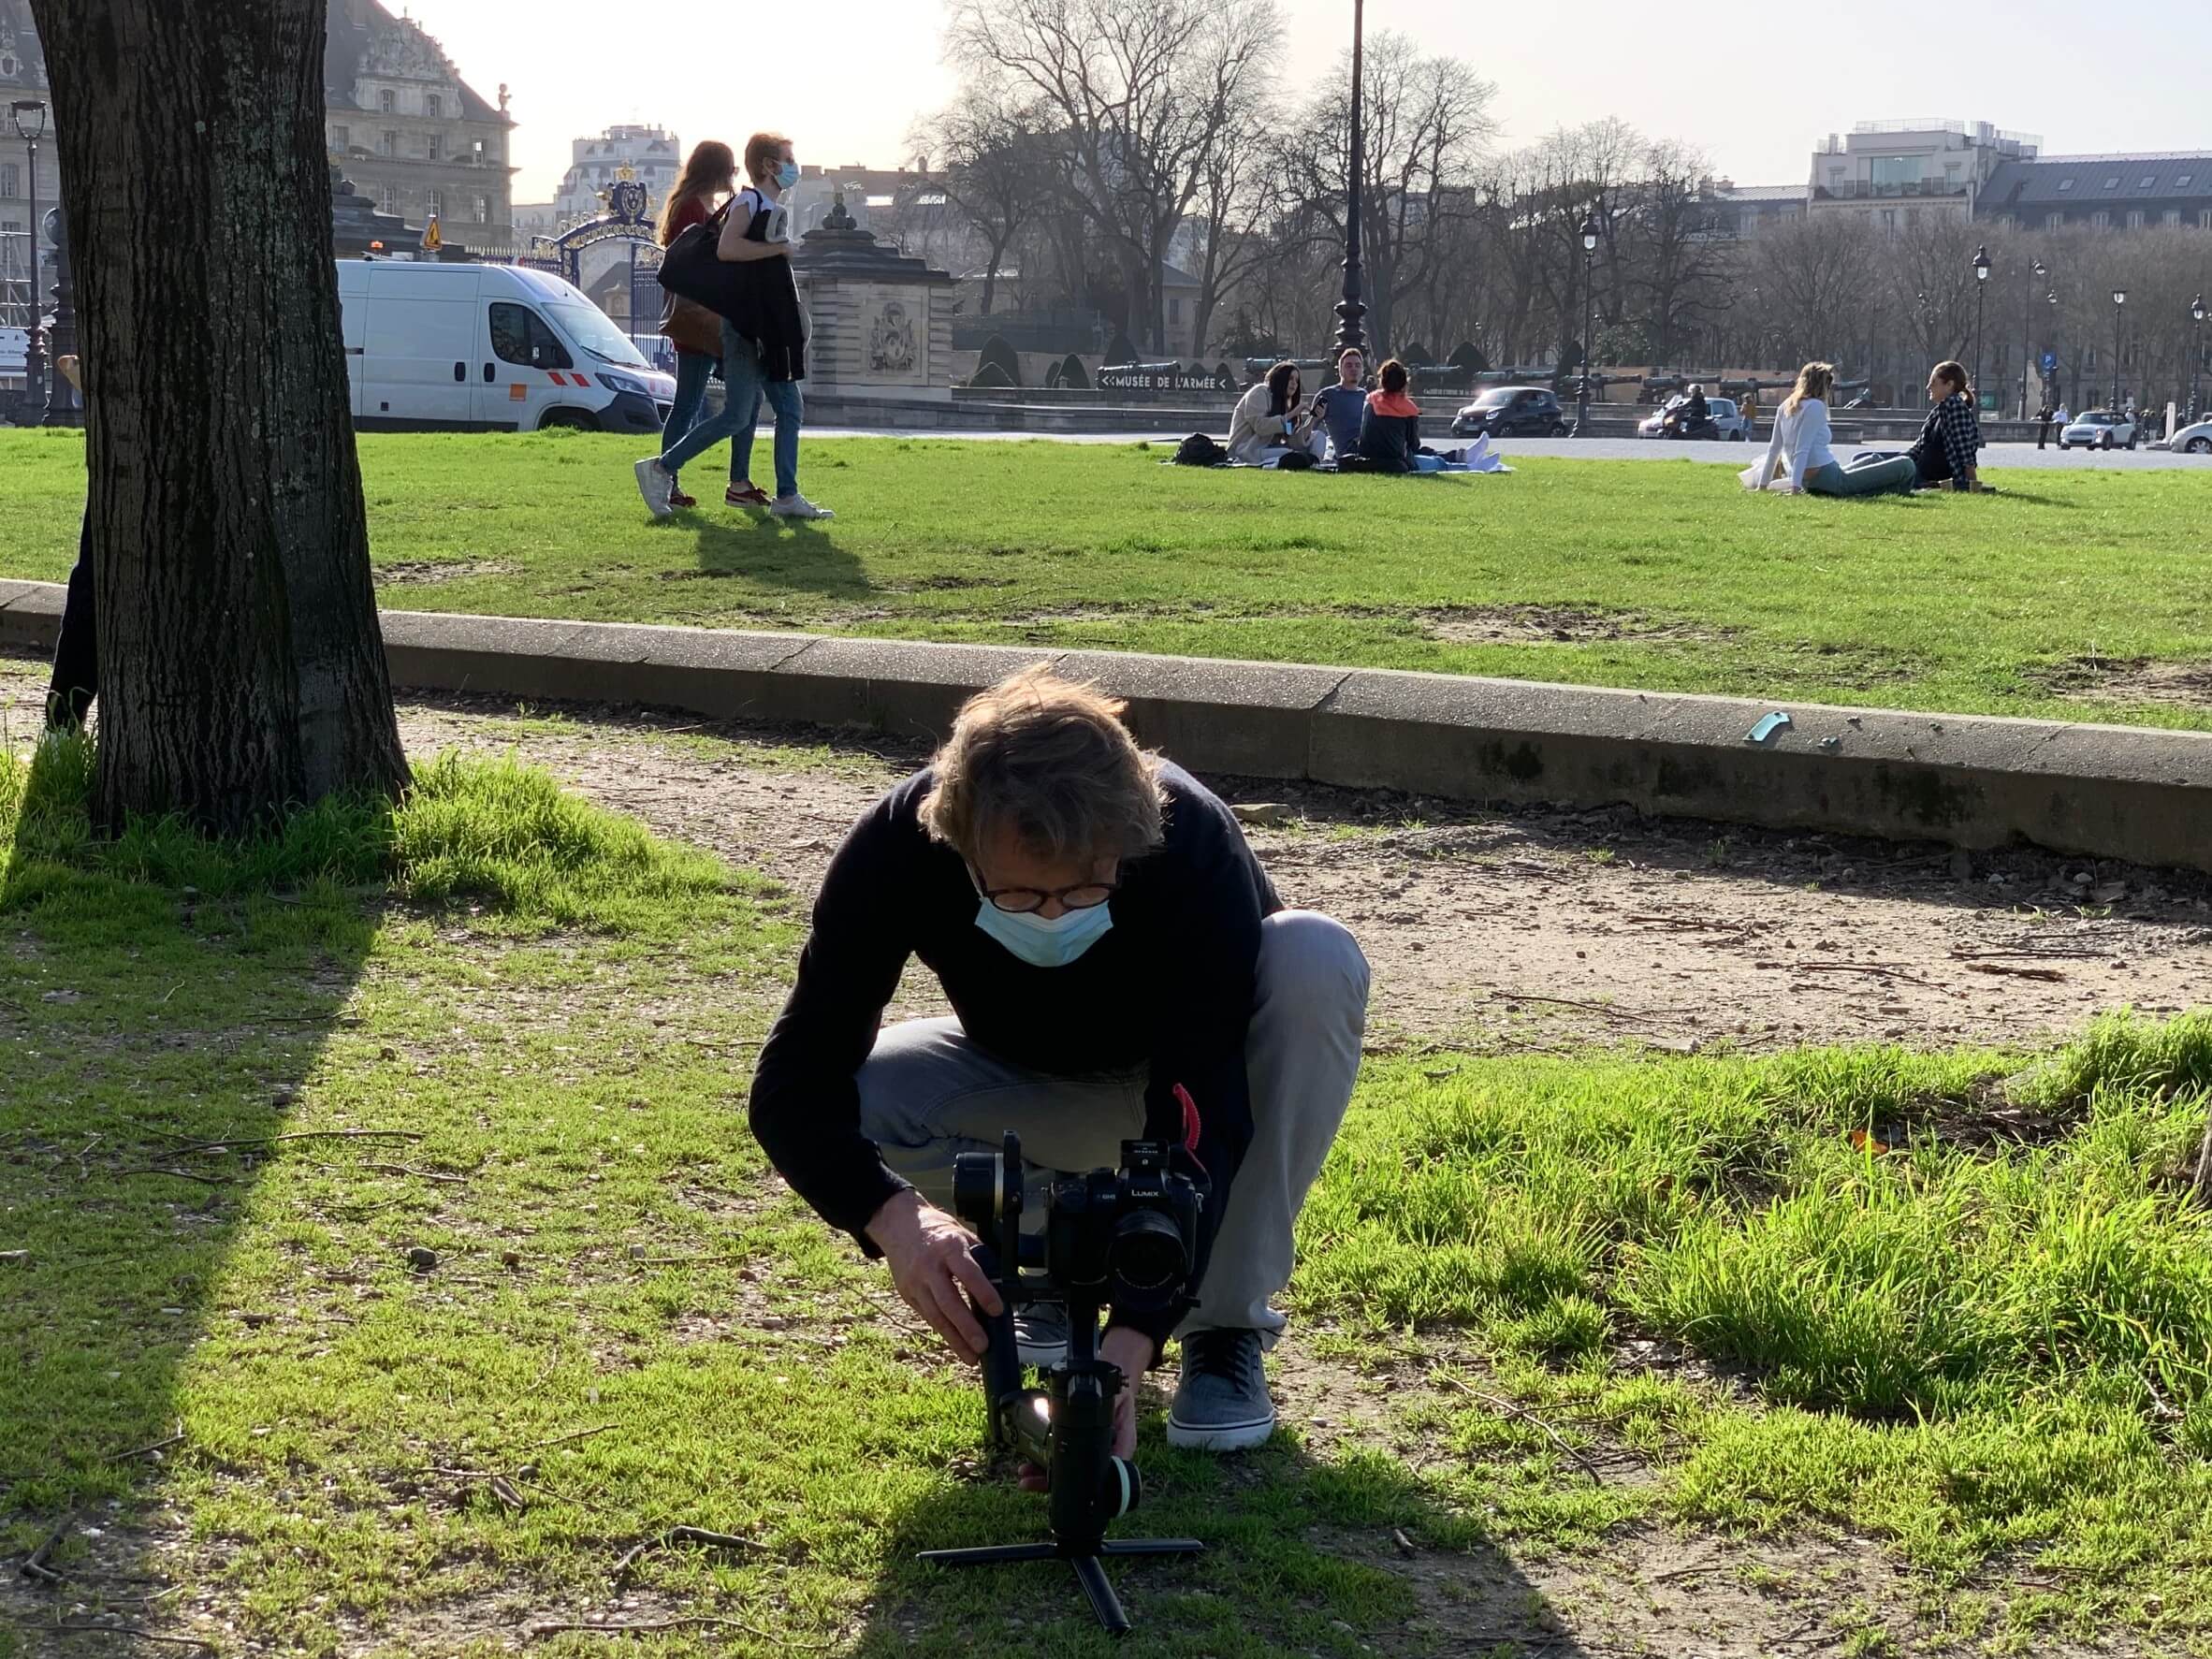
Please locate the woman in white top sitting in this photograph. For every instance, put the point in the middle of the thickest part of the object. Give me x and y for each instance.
(1799, 447)
(1268, 421)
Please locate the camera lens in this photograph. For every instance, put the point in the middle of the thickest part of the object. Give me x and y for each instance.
(1146, 1255)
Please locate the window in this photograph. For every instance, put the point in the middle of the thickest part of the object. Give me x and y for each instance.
(2064, 185)
(437, 143)
(433, 106)
(1890, 218)
(1174, 311)
(2100, 219)
(2172, 216)
(389, 144)
(520, 336)
(11, 181)
(387, 199)
(2182, 182)
(2205, 219)
(2146, 181)
(339, 139)
(438, 203)
(2052, 221)
(2113, 183)
(387, 103)
(484, 210)
(2135, 220)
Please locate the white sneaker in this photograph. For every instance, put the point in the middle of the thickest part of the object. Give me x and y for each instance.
(797, 507)
(654, 483)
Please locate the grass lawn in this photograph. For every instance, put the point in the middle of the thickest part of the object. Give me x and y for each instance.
(1659, 574)
(1571, 1300)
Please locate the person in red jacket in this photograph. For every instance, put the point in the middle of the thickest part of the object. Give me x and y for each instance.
(710, 172)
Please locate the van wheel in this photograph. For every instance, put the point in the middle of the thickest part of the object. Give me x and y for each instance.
(567, 420)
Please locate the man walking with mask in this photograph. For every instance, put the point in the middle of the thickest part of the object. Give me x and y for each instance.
(1119, 966)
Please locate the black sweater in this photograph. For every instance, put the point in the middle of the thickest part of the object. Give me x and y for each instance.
(768, 311)
(1168, 990)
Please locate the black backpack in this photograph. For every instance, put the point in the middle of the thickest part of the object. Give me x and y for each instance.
(1200, 450)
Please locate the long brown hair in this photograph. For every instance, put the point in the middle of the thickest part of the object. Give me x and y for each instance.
(1278, 387)
(709, 170)
(1816, 380)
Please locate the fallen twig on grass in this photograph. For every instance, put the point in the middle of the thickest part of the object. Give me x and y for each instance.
(544, 1628)
(204, 1143)
(1884, 970)
(681, 1534)
(136, 1634)
(180, 1174)
(2010, 971)
(1597, 1008)
(1527, 1416)
(573, 1434)
(140, 1452)
(34, 1565)
(404, 1169)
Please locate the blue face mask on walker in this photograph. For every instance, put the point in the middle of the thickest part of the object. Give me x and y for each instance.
(1041, 943)
(786, 175)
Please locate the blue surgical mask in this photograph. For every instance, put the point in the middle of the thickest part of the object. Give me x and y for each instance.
(1041, 943)
(786, 175)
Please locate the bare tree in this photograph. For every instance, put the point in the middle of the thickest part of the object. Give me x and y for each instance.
(241, 668)
(1139, 94)
(1678, 272)
(989, 154)
(1226, 229)
(1811, 274)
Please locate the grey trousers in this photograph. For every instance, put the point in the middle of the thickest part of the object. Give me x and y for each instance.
(928, 1093)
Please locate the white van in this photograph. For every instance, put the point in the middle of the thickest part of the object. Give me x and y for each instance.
(433, 347)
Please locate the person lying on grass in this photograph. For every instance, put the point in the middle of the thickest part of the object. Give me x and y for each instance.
(1109, 943)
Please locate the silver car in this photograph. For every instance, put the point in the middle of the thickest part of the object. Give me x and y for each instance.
(2196, 440)
(2099, 429)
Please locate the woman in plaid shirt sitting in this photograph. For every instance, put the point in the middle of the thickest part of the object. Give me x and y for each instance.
(1949, 448)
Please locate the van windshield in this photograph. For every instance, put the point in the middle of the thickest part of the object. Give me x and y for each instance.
(595, 331)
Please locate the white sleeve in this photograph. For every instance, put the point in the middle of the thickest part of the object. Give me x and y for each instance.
(1765, 471)
(1813, 430)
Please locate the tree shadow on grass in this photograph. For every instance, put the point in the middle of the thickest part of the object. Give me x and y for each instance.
(158, 1023)
(1304, 1554)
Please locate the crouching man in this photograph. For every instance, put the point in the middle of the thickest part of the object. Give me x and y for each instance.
(1110, 945)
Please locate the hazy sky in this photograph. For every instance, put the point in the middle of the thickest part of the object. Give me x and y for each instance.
(1754, 85)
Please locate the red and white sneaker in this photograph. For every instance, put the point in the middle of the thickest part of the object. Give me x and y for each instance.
(677, 499)
(750, 495)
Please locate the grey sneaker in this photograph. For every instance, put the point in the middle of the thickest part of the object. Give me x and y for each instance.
(1040, 1333)
(1222, 1403)
(797, 507)
(654, 483)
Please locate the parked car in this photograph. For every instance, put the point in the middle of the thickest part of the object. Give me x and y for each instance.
(2099, 429)
(1512, 412)
(1727, 420)
(435, 347)
(2196, 440)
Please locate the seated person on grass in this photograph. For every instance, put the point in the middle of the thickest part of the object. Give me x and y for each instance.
(1948, 449)
(1114, 955)
(1342, 405)
(1268, 421)
(1391, 425)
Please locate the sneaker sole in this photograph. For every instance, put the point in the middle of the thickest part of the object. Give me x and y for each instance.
(1221, 1436)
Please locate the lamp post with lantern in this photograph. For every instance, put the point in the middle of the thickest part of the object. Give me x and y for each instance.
(2197, 356)
(1589, 233)
(1350, 336)
(29, 116)
(2036, 273)
(2119, 307)
(1981, 295)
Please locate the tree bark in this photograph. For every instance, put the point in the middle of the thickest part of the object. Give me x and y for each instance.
(242, 667)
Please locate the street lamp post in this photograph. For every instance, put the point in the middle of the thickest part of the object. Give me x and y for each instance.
(2051, 387)
(1350, 336)
(29, 116)
(1588, 304)
(2197, 356)
(2036, 273)
(2120, 305)
(1981, 293)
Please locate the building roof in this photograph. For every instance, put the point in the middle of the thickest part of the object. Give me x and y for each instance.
(2100, 181)
(353, 24)
(1765, 193)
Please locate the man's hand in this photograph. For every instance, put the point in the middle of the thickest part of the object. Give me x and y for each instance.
(929, 1253)
(1132, 1353)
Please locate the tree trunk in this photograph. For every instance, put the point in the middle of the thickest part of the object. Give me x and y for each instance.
(242, 667)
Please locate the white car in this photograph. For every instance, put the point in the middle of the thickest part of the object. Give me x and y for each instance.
(2099, 429)
(1726, 419)
(2196, 440)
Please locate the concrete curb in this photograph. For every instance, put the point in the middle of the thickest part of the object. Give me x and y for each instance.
(2107, 791)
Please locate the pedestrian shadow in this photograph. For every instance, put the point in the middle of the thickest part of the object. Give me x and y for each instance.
(1342, 1553)
(785, 553)
(163, 1013)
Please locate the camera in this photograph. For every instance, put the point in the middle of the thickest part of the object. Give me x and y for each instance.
(1124, 1238)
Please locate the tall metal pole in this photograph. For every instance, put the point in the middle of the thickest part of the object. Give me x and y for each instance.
(2036, 272)
(35, 350)
(1588, 307)
(1349, 309)
(2119, 303)
(2197, 356)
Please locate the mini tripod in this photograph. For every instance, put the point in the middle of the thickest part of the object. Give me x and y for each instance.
(1067, 1431)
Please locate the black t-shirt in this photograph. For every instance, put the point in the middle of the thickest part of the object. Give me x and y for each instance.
(1167, 990)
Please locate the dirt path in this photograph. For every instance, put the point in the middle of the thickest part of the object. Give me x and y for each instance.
(1535, 928)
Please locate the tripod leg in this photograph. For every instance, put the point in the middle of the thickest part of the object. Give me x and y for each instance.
(991, 1554)
(1151, 1546)
(1104, 1602)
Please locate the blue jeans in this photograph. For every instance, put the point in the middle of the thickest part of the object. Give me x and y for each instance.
(741, 369)
(1866, 474)
(692, 369)
(741, 378)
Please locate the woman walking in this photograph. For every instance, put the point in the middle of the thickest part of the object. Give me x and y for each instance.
(1801, 441)
(709, 173)
(764, 347)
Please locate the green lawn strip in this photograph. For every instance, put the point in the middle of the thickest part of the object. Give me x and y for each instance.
(1667, 576)
(1994, 1353)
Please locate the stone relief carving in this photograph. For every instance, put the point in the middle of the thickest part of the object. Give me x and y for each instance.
(891, 341)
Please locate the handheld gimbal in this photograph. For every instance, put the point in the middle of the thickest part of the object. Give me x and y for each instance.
(1123, 1237)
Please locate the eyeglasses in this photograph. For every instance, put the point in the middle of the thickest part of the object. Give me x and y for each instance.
(1084, 896)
